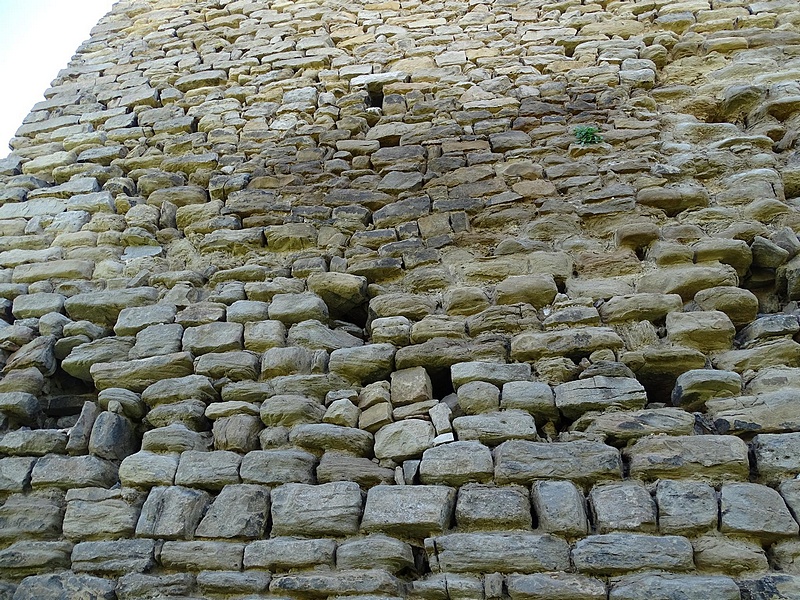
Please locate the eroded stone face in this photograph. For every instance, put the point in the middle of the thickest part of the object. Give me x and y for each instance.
(432, 300)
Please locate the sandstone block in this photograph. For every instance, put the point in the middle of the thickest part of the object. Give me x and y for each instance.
(555, 586)
(498, 552)
(560, 508)
(496, 427)
(208, 470)
(521, 461)
(285, 553)
(456, 463)
(404, 439)
(691, 587)
(620, 552)
(685, 507)
(172, 512)
(316, 510)
(487, 507)
(625, 506)
(708, 458)
(408, 511)
(757, 510)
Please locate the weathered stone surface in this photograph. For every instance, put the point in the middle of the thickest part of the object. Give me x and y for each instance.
(316, 510)
(208, 470)
(375, 551)
(65, 585)
(496, 427)
(73, 471)
(708, 458)
(138, 375)
(239, 511)
(560, 508)
(404, 439)
(147, 469)
(555, 586)
(619, 552)
(767, 413)
(499, 552)
(487, 507)
(690, 587)
(685, 507)
(107, 518)
(753, 509)
(172, 512)
(625, 506)
(408, 511)
(117, 557)
(196, 555)
(521, 461)
(597, 393)
(285, 553)
(456, 463)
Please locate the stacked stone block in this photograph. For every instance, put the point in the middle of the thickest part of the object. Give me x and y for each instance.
(322, 299)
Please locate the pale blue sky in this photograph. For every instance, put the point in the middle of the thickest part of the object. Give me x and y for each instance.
(37, 39)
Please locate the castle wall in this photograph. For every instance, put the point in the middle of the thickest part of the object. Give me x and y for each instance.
(406, 299)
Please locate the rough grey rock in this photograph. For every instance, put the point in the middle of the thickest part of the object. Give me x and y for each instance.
(777, 456)
(375, 551)
(757, 510)
(172, 512)
(363, 364)
(106, 518)
(117, 557)
(175, 437)
(456, 463)
(624, 506)
(316, 510)
(404, 439)
(146, 469)
(598, 393)
(371, 582)
(619, 552)
(15, 473)
(324, 437)
(690, 587)
(209, 470)
(487, 507)
(113, 437)
(685, 507)
(274, 467)
(33, 557)
(496, 427)
(498, 552)
(534, 397)
(705, 457)
(285, 553)
(239, 511)
(33, 442)
(521, 461)
(408, 511)
(65, 585)
(196, 555)
(67, 472)
(221, 582)
(170, 390)
(343, 466)
(555, 586)
(560, 508)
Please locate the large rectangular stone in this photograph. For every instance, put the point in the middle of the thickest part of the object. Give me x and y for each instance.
(117, 557)
(582, 461)
(777, 456)
(372, 582)
(408, 511)
(316, 510)
(575, 398)
(712, 458)
(67, 472)
(620, 552)
(199, 555)
(285, 553)
(136, 375)
(54, 269)
(497, 552)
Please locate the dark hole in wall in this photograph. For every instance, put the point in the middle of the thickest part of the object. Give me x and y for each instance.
(442, 383)
(375, 99)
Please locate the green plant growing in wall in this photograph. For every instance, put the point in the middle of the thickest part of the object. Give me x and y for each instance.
(588, 134)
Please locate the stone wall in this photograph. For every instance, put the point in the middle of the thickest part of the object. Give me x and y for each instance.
(322, 299)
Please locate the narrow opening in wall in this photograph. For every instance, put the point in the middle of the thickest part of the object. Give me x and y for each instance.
(442, 383)
(375, 98)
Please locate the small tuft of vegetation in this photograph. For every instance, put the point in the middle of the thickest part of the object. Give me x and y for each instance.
(588, 134)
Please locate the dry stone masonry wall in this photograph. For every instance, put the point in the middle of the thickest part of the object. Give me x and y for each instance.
(325, 299)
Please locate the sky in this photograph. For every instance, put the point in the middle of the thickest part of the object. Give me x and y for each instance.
(37, 40)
